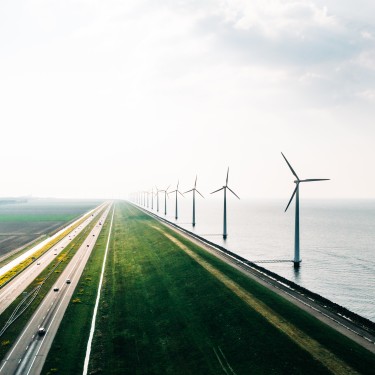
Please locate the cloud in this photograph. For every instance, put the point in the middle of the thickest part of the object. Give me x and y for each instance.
(274, 18)
(280, 32)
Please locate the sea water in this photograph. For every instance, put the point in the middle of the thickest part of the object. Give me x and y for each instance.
(337, 241)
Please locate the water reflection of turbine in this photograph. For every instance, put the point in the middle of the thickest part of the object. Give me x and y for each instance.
(194, 189)
(225, 187)
(297, 258)
(177, 192)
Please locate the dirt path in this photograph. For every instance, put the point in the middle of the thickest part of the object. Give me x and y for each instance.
(320, 353)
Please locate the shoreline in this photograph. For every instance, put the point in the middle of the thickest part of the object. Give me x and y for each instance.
(352, 325)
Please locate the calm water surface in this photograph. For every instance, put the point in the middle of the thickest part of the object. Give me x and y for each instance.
(337, 242)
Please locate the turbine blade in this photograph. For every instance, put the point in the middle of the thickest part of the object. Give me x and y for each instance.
(295, 174)
(315, 179)
(233, 192)
(290, 200)
(217, 190)
(188, 191)
(199, 193)
(195, 184)
(227, 177)
(181, 193)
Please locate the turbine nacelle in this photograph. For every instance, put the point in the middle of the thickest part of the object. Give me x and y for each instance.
(225, 187)
(297, 181)
(194, 189)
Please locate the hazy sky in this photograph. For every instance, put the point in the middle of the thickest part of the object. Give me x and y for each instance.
(100, 98)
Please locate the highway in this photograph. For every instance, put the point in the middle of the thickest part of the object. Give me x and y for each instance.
(10, 291)
(28, 354)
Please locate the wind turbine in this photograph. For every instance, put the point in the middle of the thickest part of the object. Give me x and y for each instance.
(194, 189)
(177, 192)
(225, 187)
(146, 195)
(157, 198)
(152, 198)
(165, 199)
(297, 258)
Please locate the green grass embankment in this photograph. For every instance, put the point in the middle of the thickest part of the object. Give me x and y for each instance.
(164, 311)
(61, 261)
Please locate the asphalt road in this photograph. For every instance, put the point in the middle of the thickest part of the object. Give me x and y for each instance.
(10, 291)
(28, 354)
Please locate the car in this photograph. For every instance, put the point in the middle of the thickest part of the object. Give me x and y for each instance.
(38, 264)
(88, 245)
(55, 254)
(41, 331)
(68, 281)
(93, 235)
(56, 289)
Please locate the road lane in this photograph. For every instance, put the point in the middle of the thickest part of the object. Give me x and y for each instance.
(28, 354)
(10, 291)
(7, 267)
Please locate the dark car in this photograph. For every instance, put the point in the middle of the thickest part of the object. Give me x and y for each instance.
(41, 331)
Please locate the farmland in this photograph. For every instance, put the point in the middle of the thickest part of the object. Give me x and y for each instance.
(23, 222)
(169, 307)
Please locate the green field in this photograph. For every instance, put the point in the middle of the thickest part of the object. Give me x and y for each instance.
(23, 222)
(169, 307)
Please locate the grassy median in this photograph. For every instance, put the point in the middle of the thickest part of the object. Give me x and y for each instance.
(169, 307)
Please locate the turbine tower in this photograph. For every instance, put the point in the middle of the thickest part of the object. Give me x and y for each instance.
(177, 192)
(194, 189)
(297, 258)
(165, 199)
(157, 198)
(225, 187)
(152, 198)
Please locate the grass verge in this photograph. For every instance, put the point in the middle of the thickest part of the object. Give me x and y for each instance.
(162, 312)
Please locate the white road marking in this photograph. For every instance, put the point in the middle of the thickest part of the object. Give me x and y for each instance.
(88, 349)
